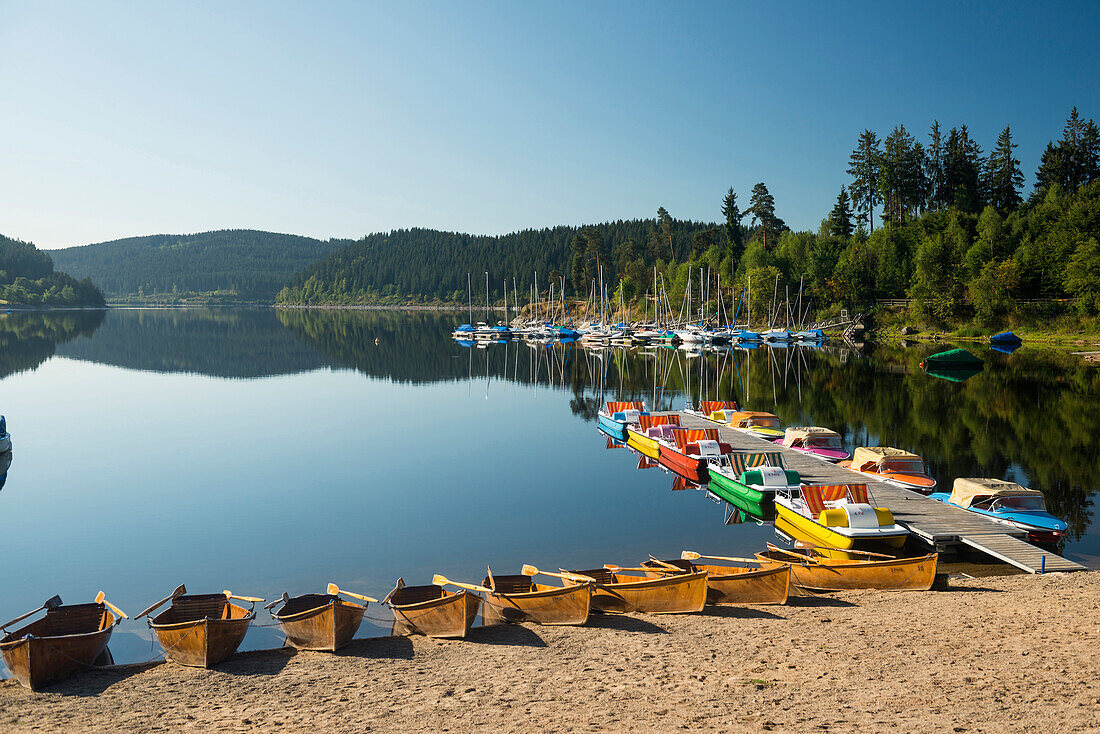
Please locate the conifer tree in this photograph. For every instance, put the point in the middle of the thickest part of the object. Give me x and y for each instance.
(863, 168)
(933, 169)
(762, 209)
(840, 218)
(733, 215)
(1003, 175)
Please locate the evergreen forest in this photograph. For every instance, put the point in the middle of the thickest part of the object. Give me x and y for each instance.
(228, 266)
(28, 278)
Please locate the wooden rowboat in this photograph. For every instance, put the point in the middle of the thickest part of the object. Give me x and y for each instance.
(319, 621)
(766, 584)
(202, 630)
(812, 571)
(70, 638)
(432, 610)
(655, 592)
(520, 599)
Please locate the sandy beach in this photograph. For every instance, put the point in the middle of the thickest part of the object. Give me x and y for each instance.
(1015, 653)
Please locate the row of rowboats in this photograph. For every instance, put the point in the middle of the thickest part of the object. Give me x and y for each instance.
(203, 630)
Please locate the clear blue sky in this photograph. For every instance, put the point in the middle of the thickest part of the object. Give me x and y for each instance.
(339, 119)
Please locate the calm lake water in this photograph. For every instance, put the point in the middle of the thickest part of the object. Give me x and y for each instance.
(266, 451)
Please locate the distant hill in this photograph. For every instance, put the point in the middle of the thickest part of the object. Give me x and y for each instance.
(424, 264)
(27, 277)
(230, 265)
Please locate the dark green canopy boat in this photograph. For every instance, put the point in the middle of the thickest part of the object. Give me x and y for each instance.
(956, 365)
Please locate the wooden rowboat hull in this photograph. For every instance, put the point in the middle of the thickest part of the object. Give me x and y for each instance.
(643, 444)
(325, 628)
(548, 605)
(202, 643)
(40, 660)
(901, 574)
(655, 593)
(448, 616)
(768, 585)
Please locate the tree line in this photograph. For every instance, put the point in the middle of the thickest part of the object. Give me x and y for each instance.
(27, 277)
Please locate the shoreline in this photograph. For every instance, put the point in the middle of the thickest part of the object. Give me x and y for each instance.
(987, 655)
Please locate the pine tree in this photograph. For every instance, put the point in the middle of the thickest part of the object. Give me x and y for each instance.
(864, 167)
(840, 218)
(962, 171)
(1003, 177)
(578, 247)
(734, 240)
(901, 180)
(762, 209)
(933, 169)
(664, 224)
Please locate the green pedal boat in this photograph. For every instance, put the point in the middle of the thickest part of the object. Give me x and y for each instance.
(748, 481)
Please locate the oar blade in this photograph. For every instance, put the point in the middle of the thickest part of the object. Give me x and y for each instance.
(690, 556)
(529, 570)
(332, 589)
(440, 580)
(53, 602)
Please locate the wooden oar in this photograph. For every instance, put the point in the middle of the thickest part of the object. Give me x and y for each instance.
(489, 575)
(52, 603)
(858, 552)
(333, 589)
(440, 580)
(615, 569)
(693, 556)
(670, 566)
(579, 578)
(230, 595)
(180, 590)
(281, 600)
(799, 556)
(101, 598)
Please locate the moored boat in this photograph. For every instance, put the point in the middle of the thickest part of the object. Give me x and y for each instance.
(815, 572)
(322, 622)
(1008, 503)
(823, 443)
(755, 423)
(5, 437)
(706, 408)
(750, 480)
(837, 516)
(897, 466)
(68, 639)
(202, 630)
(432, 611)
(689, 450)
(518, 598)
(754, 583)
(658, 592)
(614, 417)
(644, 437)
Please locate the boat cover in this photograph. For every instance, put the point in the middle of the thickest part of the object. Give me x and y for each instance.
(1005, 337)
(801, 433)
(739, 419)
(952, 358)
(966, 491)
(875, 454)
(743, 462)
(649, 421)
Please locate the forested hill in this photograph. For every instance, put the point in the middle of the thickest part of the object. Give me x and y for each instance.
(226, 265)
(426, 264)
(27, 277)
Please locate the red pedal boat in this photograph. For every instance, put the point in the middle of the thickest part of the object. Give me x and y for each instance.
(687, 455)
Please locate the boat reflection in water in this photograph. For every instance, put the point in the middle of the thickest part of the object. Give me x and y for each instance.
(5, 464)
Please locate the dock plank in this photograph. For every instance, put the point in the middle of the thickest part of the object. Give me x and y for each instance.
(937, 524)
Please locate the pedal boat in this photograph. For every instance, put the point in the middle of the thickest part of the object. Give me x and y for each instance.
(432, 611)
(820, 442)
(755, 423)
(896, 466)
(323, 622)
(707, 407)
(749, 480)
(1008, 503)
(520, 599)
(656, 592)
(689, 450)
(202, 630)
(644, 437)
(813, 571)
(615, 417)
(70, 638)
(837, 516)
(761, 583)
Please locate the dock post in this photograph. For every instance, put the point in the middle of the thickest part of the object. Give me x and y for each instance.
(1043, 564)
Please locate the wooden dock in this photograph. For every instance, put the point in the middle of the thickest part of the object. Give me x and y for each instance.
(942, 527)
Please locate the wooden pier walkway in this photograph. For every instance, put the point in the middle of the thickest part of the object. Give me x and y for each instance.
(940, 526)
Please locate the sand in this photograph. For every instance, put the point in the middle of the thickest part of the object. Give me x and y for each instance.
(1017, 653)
